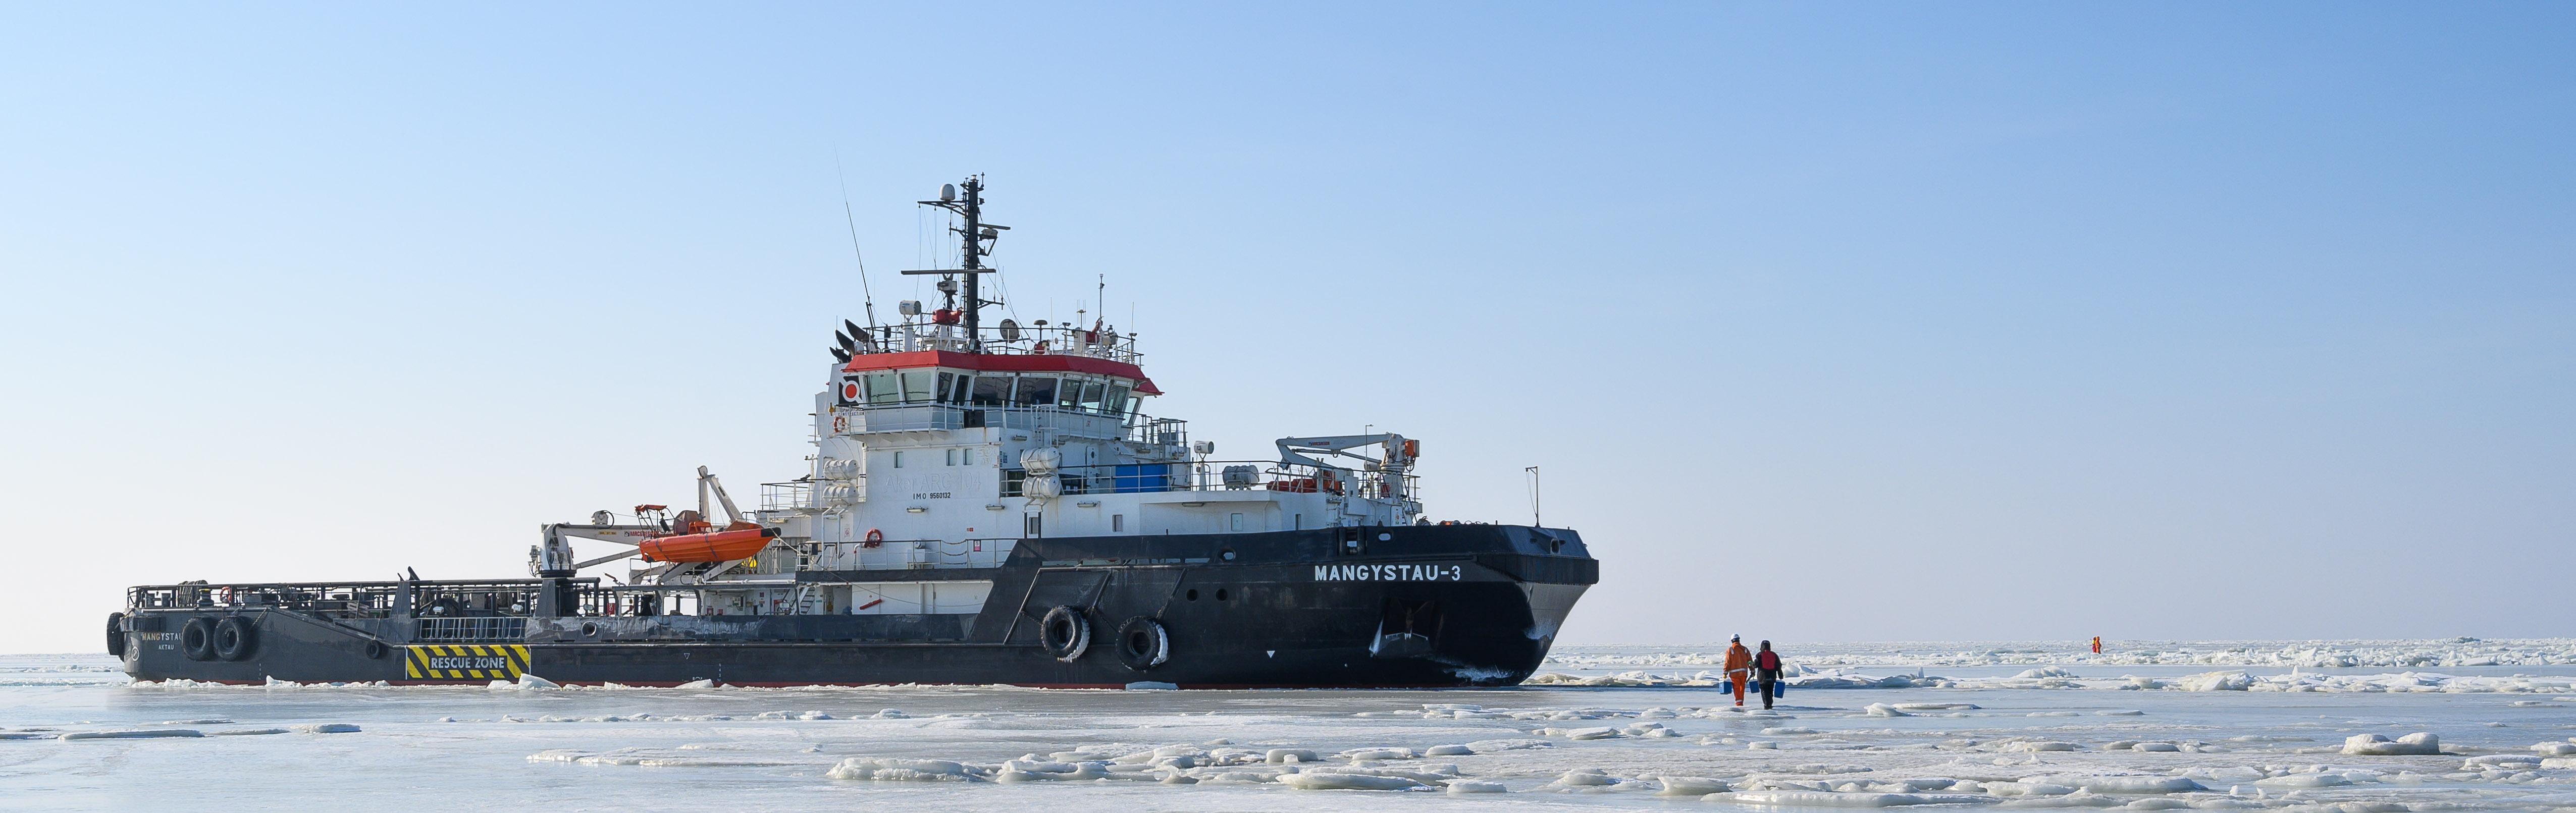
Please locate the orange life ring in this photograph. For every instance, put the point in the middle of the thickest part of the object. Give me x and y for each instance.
(875, 537)
(840, 423)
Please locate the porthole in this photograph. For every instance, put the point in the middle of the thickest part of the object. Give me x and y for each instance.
(588, 628)
(1556, 546)
(1385, 537)
(1226, 554)
(1194, 595)
(1220, 594)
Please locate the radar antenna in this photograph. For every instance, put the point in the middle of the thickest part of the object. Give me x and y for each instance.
(978, 235)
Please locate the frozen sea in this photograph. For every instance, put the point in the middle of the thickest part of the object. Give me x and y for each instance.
(2149, 725)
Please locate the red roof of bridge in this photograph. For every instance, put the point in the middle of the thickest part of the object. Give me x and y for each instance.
(1003, 362)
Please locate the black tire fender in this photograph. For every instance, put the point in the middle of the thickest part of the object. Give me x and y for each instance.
(1143, 643)
(375, 650)
(236, 638)
(116, 634)
(1065, 633)
(197, 639)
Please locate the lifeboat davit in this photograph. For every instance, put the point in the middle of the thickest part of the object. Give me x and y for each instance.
(737, 541)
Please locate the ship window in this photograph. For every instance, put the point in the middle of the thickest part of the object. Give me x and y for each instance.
(1116, 403)
(991, 390)
(1091, 393)
(916, 386)
(1194, 595)
(946, 381)
(958, 395)
(1235, 520)
(1069, 395)
(1035, 391)
(1117, 523)
(898, 460)
(1220, 594)
(965, 457)
(952, 457)
(881, 390)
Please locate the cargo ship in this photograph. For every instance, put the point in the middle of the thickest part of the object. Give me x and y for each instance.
(985, 504)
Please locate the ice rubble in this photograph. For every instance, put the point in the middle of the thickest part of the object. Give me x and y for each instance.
(2234, 680)
(2375, 745)
(2457, 652)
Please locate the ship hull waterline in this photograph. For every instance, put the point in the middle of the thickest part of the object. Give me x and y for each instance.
(1462, 619)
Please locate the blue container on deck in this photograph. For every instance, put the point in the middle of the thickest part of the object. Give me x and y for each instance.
(1142, 477)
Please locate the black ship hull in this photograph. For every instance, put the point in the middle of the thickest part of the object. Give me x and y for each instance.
(1405, 606)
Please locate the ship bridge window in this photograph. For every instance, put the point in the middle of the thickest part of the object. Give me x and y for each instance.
(1035, 390)
(1069, 396)
(916, 386)
(1116, 402)
(956, 391)
(990, 391)
(882, 390)
(1091, 395)
(944, 391)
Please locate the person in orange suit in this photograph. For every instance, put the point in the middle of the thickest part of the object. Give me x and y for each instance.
(1739, 663)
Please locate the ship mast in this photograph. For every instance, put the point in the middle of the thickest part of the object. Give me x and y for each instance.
(972, 250)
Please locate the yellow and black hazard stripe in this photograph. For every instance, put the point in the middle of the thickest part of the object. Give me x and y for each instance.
(465, 662)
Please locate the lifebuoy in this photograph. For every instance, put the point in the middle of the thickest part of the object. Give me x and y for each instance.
(236, 637)
(115, 637)
(875, 537)
(197, 639)
(1065, 633)
(840, 423)
(1143, 643)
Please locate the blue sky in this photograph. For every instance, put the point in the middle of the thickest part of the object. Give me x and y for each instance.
(1824, 322)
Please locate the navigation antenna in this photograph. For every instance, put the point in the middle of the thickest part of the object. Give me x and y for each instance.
(971, 250)
(868, 295)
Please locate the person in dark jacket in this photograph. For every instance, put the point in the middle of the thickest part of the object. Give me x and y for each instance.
(1766, 668)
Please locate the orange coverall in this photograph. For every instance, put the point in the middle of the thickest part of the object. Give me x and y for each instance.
(1739, 662)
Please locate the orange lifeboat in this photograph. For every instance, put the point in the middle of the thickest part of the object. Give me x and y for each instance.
(737, 541)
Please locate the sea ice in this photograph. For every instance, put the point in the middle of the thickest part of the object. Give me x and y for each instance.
(2374, 745)
(1799, 798)
(1346, 781)
(1690, 785)
(130, 734)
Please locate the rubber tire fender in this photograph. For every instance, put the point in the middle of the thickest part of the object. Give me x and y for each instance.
(236, 638)
(1065, 633)
(115, 636)
(375, 650)
(1143, 643)
(197, 639)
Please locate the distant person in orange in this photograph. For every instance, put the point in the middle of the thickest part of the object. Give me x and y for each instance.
(1739, 665)
(2097, 645)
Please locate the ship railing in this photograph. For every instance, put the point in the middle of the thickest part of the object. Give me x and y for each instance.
(789, 496)
(1030, 340)
(471, 630)
(908, 554)
(1134, 427)
(1220, 475)
(637, 600)
(351, 600)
